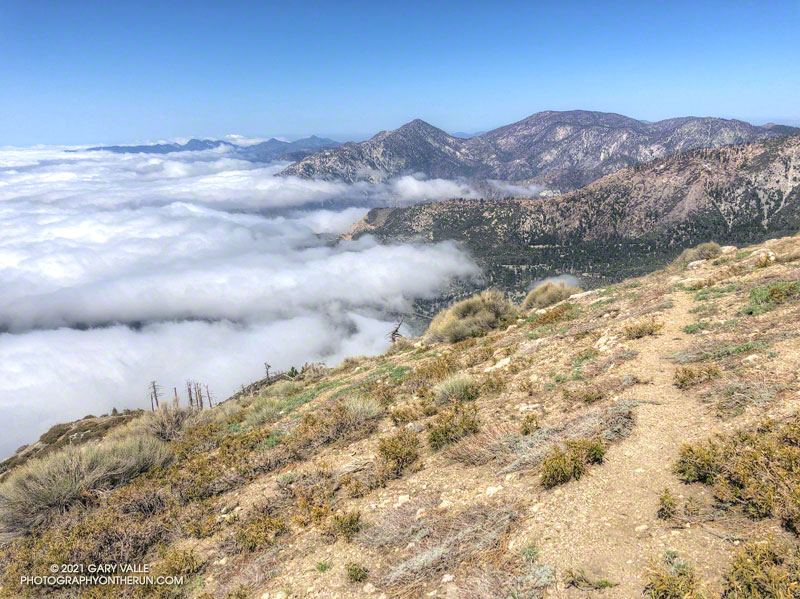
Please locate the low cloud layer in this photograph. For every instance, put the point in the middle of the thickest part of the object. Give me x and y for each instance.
(117, 269)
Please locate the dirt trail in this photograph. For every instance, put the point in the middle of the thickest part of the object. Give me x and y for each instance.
(604, 522)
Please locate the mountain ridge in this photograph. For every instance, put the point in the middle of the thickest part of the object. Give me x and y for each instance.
(265, 151)
(635, 218)
(558, 149)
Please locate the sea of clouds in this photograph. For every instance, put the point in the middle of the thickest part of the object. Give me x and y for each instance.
(119, 269)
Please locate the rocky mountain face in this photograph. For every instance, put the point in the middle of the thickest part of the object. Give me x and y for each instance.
(559, 150)
(623, 224)
(266, 151)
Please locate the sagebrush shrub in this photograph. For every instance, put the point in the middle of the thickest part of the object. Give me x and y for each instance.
(470, 317)
(704, 251)
(56, 482)
(547, 294)
(456, 388)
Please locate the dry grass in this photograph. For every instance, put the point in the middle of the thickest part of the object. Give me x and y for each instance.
(470, 317)
(437, 540)
(547, 294)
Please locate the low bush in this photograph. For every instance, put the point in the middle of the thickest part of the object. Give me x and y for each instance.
(471, 317)
(672, 579)
(642, 328)
(555, 314)
(456, 388)
(451, 425)
(529, 425)
(752, 469)
(261, 529)
(356, 573)
(763, 570)
(666, 505)
(345, 526)
(398, 452)
(767, 297)
(686, 377)
(547, 294)
(72, 475)
(562, 466)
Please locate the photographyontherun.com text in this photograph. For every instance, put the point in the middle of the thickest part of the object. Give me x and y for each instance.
(99, 575)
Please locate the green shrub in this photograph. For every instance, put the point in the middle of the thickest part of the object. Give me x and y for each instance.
(471, 317)
(356, 573)
(323, 566)
(261, 530)
(262, 411)
(398, 451)
(529, 425)
(345, 526)
(768, 297)
(666, 505)
(562, 466)
(456, 388)
(764, 570)
(71, 475)
(453, 424)
(672, 579)
(756, 470)
(283, 389)
(556, 314)
(686, 377)
(547, 294)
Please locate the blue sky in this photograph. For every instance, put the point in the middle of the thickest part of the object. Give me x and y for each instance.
(100, 72)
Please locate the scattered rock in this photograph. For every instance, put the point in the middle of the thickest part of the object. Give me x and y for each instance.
(500, 364)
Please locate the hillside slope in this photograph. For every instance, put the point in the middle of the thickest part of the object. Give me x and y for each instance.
(624, 224)
(542, 459)
(559, 150)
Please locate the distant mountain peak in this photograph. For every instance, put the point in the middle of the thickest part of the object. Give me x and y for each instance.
(561, 150)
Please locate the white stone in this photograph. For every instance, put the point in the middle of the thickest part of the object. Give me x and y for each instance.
(500, 364)
(696, 263)
(445, 503)
(401, 499)
(492, 490)
(447, 578)
(369, 588)
(727, 249)
(641, 528)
